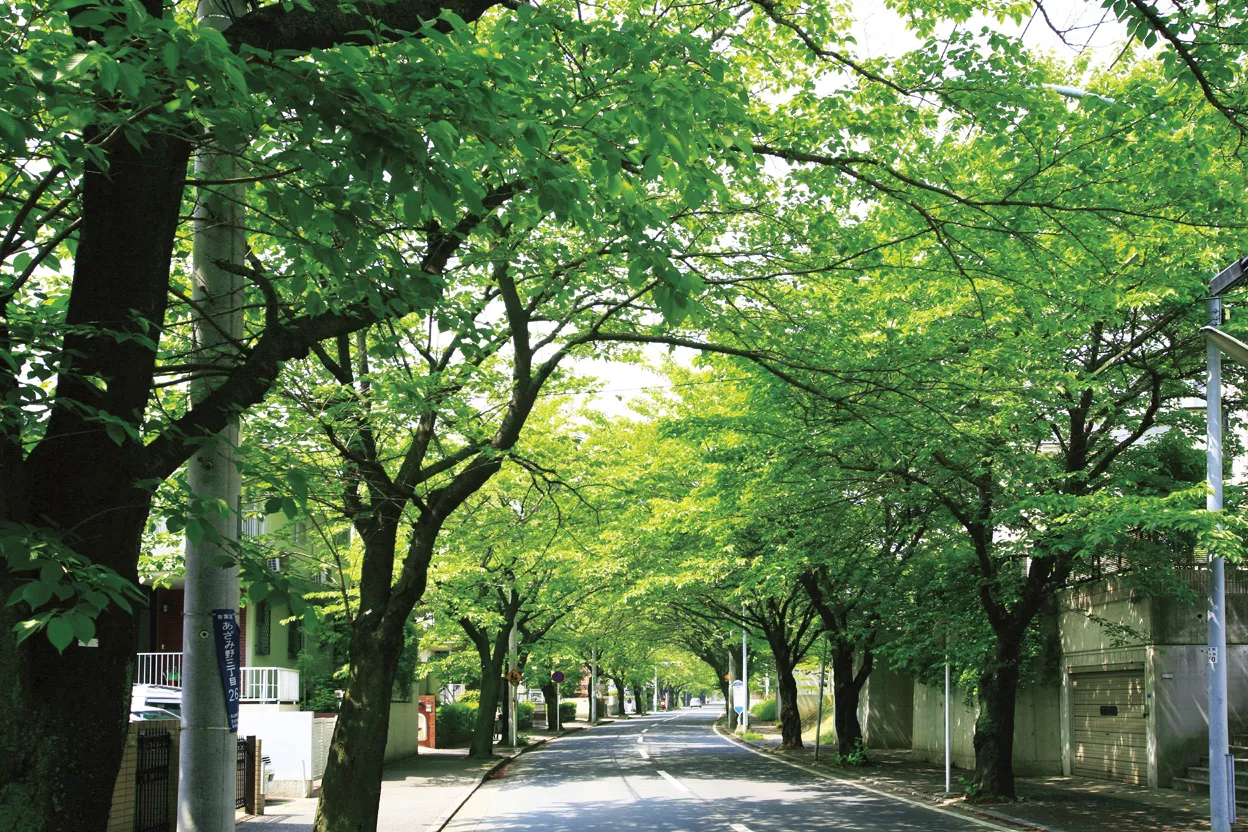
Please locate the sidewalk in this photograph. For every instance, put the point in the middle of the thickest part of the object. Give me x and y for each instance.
(1054, 804)
(417, 793)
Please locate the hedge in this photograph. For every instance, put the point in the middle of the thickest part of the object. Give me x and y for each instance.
(454, 724)
(524, 714)
(567, 712)
(765, 710)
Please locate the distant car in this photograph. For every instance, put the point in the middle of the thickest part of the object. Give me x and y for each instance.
(151, 714)
(695, 703)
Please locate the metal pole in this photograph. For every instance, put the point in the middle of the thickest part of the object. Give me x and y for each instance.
(948, 734)
(767, 686)
(593, 685)
(656, 689)
(1219, 740)
(745, 673)
(513, 689)
(823, 677)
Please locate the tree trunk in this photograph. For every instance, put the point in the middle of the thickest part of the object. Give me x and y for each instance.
(351, 788)
(639, 697)
(846, 688)
(482, 745)
(734, 673)
(61, 738)
(619, 693)
(552, 715)
(786, 705)
(994, 729)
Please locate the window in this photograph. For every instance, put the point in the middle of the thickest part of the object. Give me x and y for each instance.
(294, 639)
(275, 564)
(262, 628)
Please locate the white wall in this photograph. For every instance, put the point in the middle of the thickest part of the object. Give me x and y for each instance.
(286, 739)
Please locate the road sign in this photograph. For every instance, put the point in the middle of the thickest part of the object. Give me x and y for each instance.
(557, 676)
(738, 696)
(514, 677)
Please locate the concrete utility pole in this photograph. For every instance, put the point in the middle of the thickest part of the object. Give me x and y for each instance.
(513, 689)
(206, 787)
(593, 685)
(656, 688)
(1221, 762)
(745, 672)
(823, 677)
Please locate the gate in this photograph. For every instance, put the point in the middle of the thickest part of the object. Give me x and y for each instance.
(245, 775)
(151, 798)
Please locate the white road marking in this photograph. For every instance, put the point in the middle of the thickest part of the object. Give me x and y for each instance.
(738, 827)
(644, 755)
(644, 730)
(859, 785)
(669, 778)
(640, 740)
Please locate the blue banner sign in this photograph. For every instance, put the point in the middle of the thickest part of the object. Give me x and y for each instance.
(229, 658)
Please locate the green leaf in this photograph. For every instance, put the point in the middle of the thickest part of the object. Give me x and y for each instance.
(83, 626)
(37, 593)
(171, 56)
(60, 633)
(272, 505)
(299, 485)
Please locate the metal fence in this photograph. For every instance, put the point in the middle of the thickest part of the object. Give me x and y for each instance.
(242, 769)
(159, 669)
(151, 793)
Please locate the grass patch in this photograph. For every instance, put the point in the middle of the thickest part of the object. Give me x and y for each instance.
(751, 735)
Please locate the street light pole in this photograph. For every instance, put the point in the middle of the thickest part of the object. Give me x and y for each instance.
(1219, 740)
(1221, 763)
(656, 689)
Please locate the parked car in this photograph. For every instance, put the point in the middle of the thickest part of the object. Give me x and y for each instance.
(160, 697)
(150, 714)
(695, 703)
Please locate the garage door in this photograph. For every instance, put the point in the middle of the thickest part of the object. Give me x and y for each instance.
(1110, 726)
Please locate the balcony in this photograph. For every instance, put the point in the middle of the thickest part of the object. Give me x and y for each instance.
(260, 684)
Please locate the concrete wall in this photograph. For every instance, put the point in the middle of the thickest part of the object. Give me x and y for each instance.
(928, 721)
(886, 709)
(1037, 719)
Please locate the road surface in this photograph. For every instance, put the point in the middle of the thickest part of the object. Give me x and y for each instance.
(673, 773)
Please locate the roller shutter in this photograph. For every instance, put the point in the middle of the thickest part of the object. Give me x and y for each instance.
(1110, 731)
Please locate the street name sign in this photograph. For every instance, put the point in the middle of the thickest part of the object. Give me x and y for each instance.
(738, 696)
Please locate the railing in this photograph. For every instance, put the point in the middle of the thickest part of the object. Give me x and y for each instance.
(270, 684)
(260, 684)
(159, 669)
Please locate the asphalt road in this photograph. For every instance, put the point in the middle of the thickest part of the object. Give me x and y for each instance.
(673, 773)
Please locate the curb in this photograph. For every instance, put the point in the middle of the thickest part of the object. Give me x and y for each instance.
(440, 822)
(891, 792)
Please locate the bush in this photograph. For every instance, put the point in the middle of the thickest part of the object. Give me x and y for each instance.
(765, 710)
(454, 724)
(567, 712)
(524, 714)
(471, 698)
